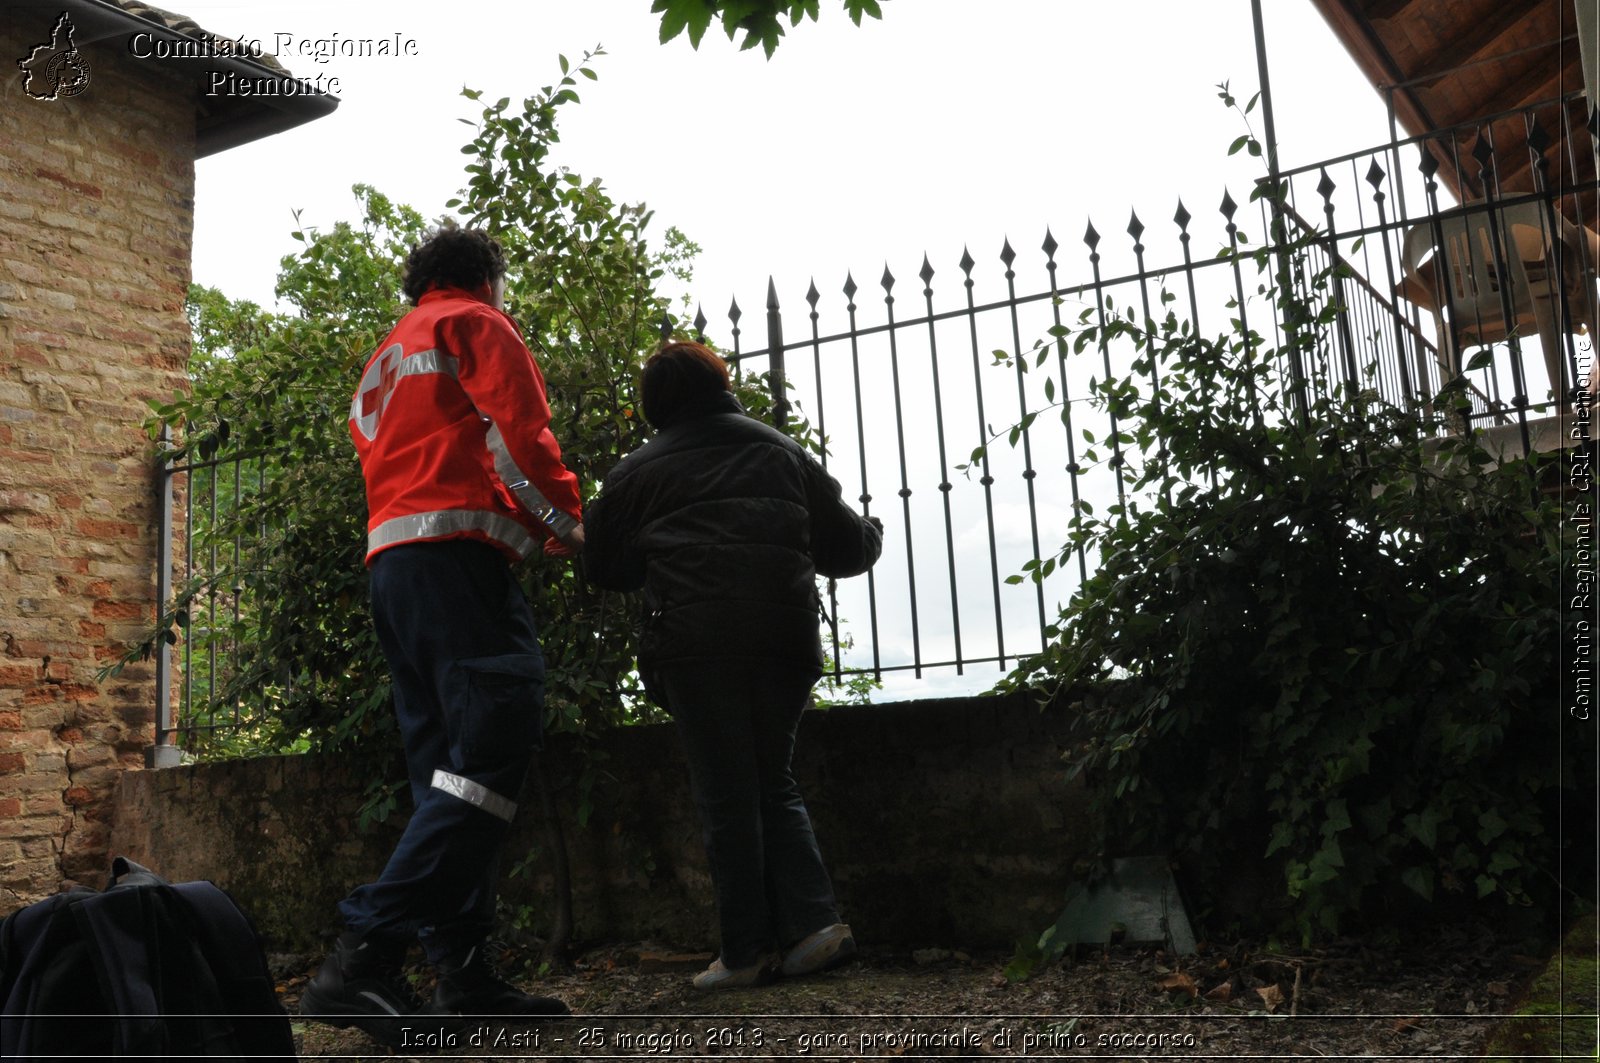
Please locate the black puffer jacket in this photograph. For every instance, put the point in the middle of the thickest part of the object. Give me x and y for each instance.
(726, 523)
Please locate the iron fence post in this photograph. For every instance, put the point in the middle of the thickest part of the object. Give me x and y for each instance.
(776, 377)
(1279, 235)
(163, 754)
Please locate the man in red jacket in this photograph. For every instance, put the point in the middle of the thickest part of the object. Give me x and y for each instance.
(464, 478)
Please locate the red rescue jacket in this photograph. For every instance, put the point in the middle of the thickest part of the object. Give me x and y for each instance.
(452, 427)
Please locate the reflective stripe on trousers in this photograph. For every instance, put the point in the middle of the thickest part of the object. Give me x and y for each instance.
(475, 794)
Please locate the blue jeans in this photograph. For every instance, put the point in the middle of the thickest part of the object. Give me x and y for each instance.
(468, 685)
(737, 720)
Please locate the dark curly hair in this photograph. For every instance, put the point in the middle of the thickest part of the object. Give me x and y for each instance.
(452, 257)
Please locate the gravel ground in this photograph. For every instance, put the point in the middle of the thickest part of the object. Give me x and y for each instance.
(1438, 1000)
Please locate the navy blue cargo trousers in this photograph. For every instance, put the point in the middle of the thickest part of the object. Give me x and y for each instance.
(468, 682)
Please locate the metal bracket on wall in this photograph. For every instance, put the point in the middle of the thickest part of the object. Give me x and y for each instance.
(162, 756)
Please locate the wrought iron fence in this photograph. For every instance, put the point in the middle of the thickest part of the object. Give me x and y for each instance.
(903, 401)
(901, 397)
(207, 615)
(1503, 292)
(913, 390)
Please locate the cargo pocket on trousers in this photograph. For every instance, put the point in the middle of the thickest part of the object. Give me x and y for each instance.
(503, 702)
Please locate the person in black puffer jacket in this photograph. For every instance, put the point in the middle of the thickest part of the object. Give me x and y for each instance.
(726, 523)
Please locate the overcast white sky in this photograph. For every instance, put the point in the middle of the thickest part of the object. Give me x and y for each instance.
(949, 124)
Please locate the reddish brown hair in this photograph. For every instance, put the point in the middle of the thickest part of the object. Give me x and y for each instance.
(676, 376)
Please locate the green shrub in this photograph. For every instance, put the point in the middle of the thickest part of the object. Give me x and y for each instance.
(1319, 650)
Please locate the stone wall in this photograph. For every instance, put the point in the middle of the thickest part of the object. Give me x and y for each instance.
(96, 211)
(943, 823)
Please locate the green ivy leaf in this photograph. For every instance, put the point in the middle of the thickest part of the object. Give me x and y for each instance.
(1418, 880)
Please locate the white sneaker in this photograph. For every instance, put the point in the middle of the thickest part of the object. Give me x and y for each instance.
(827, 948)
(719, 977)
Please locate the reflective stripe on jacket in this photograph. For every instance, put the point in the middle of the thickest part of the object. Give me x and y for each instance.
(452, 426)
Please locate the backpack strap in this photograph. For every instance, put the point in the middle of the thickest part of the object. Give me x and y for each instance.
(233, 950)
(127, 949)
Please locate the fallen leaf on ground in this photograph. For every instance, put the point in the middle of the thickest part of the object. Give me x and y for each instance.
(1271, 996)
(1222, 993)
(1179, 982)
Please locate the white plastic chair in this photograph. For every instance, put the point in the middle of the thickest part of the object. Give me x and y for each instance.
(1484, 295)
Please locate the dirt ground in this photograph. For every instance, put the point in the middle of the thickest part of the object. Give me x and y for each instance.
(1434, 1000)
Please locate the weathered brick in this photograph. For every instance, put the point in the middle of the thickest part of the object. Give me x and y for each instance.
(27, 743)
(48, 763)
(40, 848)
(42, 338)
(105, 610)
(28, 783)
(40, 696)
(77, 188)
(109, 529)
(19, 675)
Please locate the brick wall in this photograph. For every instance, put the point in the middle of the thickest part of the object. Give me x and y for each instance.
(943, 823)
(96, 214)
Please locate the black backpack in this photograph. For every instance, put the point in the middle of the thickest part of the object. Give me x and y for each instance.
(145, 968)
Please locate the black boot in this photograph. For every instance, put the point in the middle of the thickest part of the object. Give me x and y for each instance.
(360, 985)
(469, 988)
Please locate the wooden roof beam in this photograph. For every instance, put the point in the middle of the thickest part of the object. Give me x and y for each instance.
(1475, 45)
(1372, 56)
(1513, 162)
(1539, 84)
(1383, 10)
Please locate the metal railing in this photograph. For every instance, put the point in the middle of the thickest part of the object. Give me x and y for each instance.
(913, 395)
(899, 397)
(206, 615)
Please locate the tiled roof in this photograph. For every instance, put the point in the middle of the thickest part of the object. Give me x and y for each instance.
(226, 119)
(188, 27)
